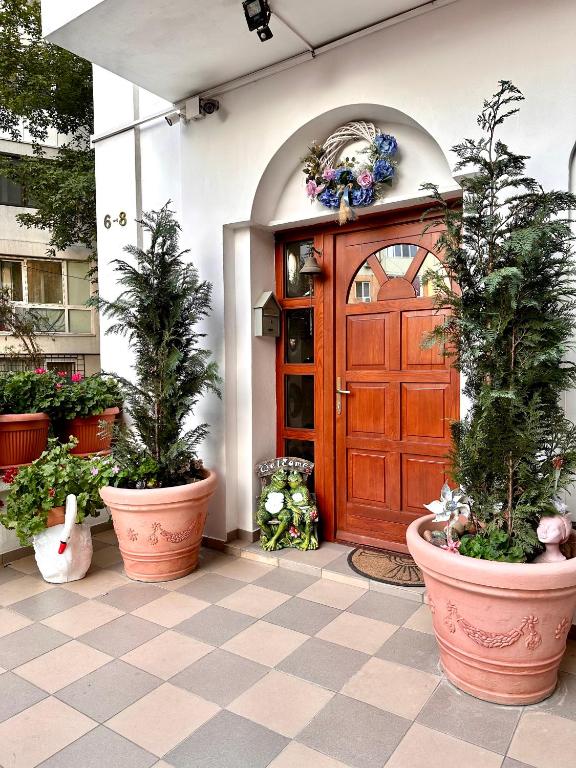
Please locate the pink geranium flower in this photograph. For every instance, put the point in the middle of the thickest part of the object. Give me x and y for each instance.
(40, 370)
(76, 377)
(365, 179)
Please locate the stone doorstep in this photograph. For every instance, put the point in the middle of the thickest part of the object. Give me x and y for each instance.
(247, 550)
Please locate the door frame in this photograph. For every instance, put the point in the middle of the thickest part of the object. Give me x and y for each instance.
(324, 303)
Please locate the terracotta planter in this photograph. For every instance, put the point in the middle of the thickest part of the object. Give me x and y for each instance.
(160, 529)
(501, 627)
(55, 517)
(91, 437)
(23, 437)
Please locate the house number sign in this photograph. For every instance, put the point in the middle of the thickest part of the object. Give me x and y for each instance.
(121, 219)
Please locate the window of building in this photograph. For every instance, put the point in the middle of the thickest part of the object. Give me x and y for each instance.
(363, 290)
(52, 293)
(12, 193)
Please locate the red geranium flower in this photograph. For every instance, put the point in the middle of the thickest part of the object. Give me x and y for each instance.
(9, 475)
(51, 493)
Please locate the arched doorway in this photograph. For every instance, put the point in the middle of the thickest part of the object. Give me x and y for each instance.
(356, 390)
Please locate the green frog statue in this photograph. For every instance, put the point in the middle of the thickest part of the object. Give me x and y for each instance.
(286, 514)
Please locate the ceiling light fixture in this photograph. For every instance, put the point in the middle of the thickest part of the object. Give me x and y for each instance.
(258, 15)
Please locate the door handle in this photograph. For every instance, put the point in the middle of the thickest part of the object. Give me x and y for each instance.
(339, 393)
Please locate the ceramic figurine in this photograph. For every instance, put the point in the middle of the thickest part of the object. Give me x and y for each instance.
(553, 531)
(64, 552)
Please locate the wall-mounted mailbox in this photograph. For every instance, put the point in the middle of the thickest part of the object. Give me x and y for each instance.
(267, 315)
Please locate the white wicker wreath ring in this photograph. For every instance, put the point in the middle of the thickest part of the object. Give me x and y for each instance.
(344, 184)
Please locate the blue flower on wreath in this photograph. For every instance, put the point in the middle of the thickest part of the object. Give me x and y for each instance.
(329, 198)
(359, 196)
(386, 144)
(382, 170)
(344, 175)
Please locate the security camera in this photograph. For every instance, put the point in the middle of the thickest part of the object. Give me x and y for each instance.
(209, 106)
(173, 117)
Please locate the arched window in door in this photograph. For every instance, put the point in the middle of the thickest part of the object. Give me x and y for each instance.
(399, 271)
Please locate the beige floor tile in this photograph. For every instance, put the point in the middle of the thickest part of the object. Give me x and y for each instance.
(167, 654)
(298, 756)
(26, 565)
(326, 553)
(20, 589)
(281, 702)
(332, 593)
(254, 601)
(170, 586)
(545, 741)
(421, 621)
(97, 583)
(265, 643)
(37, 733)
(11, 622)
(170, 609)
(568, 662)
(106, 557)
(241, 569)
(425, 748)
(62, 666)
(393, 687)
(162, 764)
(82, 618)
(357, 632)
(162, 718)
(108, 537)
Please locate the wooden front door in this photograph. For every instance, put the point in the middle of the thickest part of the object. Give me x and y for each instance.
(394, 399)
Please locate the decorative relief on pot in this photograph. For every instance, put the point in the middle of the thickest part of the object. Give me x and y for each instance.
(131, 534)
(495, 639)
(562, 628)
(174, 537)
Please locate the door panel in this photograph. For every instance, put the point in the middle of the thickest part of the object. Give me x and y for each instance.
(392, 429)
(373, 410)
(416, 326)
(423, 477)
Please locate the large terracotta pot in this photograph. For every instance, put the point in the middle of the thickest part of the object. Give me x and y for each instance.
(501, 627)
(92, 437)
(23, 437)
(160, 530)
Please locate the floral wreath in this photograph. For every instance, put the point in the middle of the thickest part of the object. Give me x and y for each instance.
(351, 182)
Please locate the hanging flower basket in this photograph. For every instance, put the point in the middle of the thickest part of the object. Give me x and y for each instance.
(342, 184)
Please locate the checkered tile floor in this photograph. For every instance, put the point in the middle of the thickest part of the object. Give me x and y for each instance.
(245, 665)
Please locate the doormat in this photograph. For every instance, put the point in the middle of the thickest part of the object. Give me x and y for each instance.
(385, 566)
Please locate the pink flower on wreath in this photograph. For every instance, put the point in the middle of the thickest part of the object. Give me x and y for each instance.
(313, 190)
(76, 377)
(329, 174)
(40, 370)
(365, 179)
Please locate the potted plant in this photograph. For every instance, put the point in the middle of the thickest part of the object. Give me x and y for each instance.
(501, 619)
(25, 396)
(159, 498)
(39, 492)
(88, 408)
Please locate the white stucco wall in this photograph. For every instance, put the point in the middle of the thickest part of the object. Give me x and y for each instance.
(234, 177)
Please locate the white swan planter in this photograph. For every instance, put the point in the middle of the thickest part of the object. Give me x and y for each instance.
(64, 552)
